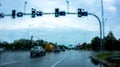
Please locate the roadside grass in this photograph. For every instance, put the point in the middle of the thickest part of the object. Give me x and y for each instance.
(106, 55)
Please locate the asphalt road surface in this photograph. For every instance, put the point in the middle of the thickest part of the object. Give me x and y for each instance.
(69, 58)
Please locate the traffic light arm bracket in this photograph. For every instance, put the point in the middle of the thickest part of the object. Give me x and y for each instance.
(100, 23)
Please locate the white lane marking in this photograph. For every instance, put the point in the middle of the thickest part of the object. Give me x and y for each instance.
(58, 61)
(10, 62)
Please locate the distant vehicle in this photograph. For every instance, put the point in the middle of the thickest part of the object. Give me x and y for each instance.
(1, 50)
(37, 50)
(62, 49)
(56, 50)
(49, 47)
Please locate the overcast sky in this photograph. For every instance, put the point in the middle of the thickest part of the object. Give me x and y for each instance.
(67, 29)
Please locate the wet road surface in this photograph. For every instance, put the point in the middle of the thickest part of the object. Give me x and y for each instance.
(69, 58)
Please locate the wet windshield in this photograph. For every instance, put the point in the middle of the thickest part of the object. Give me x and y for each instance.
(69, 33)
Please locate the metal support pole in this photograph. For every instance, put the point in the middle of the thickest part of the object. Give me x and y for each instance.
(100, 28)
(67, 5)
(25, 6)
(102, 15)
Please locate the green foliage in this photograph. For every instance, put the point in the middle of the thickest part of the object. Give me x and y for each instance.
(84, 46)
(111, 43)
(105, 55)
(41, 43)
(24, 44)
(95, 43)
(62, 46)
(88, 46)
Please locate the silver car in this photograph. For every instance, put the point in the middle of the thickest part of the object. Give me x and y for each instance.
(1, 50)
(37, 50)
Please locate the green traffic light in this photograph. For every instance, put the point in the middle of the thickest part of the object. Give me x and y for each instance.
(57, 12)
(79, 12)
(33, 13)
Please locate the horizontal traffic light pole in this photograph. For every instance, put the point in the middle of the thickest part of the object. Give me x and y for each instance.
(80, 12)
(69, 13)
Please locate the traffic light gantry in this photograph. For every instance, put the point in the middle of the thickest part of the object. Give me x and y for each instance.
(57, 13)
(80, 12)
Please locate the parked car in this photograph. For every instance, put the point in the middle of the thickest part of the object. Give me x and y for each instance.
(37, 50)
(1, 50)
(56, 50)
(62, 49)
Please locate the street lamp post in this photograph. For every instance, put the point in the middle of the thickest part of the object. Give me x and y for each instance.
(25, 11)
(25, 6)
(67, 5)
(29, 30)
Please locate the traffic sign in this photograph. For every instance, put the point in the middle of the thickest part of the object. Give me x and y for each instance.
(39, 13)
(62, 13)
(85, 13)
(19, 14)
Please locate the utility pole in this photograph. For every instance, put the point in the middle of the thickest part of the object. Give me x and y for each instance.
(100, 25)
(102, 15)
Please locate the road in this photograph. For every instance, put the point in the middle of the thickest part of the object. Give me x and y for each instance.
(69, 58)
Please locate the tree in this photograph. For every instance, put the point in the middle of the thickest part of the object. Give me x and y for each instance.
(119, 44)
(23, 44)
(18, 44)
(110, 42)
(88, 46)
(83, 46)
(41, 43)
(95, 43)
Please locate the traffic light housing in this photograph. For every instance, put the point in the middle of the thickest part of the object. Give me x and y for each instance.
(33, 13)
(39, 13)
(79, 12)
(19, 14)
(1, 15)
(85, 13)
(57, 12)
(13, 13)
(62, 13)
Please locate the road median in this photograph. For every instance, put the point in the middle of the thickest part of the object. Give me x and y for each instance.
(102, 59)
